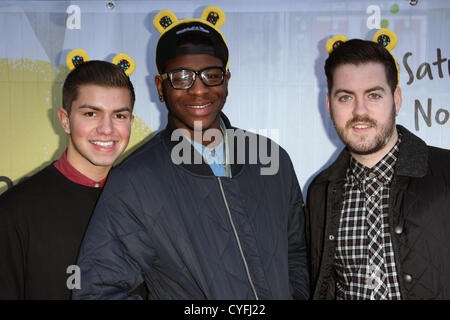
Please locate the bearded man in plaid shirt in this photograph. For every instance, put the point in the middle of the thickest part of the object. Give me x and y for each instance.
(378, 217)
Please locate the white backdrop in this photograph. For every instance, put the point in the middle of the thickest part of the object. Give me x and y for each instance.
(277, 53)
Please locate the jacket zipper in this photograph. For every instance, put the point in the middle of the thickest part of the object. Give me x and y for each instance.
(249, 277)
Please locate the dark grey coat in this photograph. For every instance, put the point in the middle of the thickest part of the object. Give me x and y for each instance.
(419, 219)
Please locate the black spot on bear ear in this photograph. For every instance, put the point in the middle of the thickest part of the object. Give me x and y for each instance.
(386, 38)
(75, 58)
(335, 42)
(125, 62)
(164, 20)
(214, 16)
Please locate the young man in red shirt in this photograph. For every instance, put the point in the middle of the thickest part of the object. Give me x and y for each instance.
(43, 219)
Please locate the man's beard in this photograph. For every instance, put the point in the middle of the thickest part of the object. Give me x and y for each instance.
(365, 147)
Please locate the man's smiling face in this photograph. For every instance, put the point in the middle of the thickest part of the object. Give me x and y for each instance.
(199, 102)
(363, 108)
(99, 126)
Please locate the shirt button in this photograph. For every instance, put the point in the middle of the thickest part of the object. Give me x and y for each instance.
(398, 229)
(372, 198)
(97, 185)
(408, 278)
(371, 175)
(331, 237)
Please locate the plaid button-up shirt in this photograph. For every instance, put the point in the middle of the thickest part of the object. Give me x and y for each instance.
(364, 259)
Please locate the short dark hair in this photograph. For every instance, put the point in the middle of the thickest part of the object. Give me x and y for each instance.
(95, 72)
(357, 51)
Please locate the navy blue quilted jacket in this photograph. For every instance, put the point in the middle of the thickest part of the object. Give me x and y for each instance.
(190, 235)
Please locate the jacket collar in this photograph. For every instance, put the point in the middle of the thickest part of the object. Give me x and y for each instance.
(413, 156)
(202, 168)
(412, 159)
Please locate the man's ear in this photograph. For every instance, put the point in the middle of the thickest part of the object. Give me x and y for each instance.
(328, 102)
(397, 99)
(227, 76)
(64, 119)
(159, 87)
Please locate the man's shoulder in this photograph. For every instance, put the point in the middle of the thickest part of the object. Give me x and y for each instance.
(32, 184)
(439, 153)
(416, 157)
(260, 140)
(335, 171)
(31, 191)
(260, 150)
(144, 154)
(320, 180)
(439, 160)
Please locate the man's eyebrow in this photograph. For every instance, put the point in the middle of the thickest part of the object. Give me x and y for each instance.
(376, 88)
(123, 109)
(88, 106)
(342, 91)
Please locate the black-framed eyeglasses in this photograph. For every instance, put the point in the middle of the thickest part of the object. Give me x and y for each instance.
(182, 79)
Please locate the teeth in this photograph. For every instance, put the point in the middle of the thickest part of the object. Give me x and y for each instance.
(199, 107)
(103, 144)
(361, 126)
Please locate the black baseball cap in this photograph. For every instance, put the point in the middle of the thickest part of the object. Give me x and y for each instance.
(190, 36)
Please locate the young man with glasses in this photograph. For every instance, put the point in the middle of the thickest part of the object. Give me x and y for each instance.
(217, 229)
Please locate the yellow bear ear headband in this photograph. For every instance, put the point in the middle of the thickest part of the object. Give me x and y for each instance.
(78, 56)
(166, 19)
(384, 37)
(171, 28)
